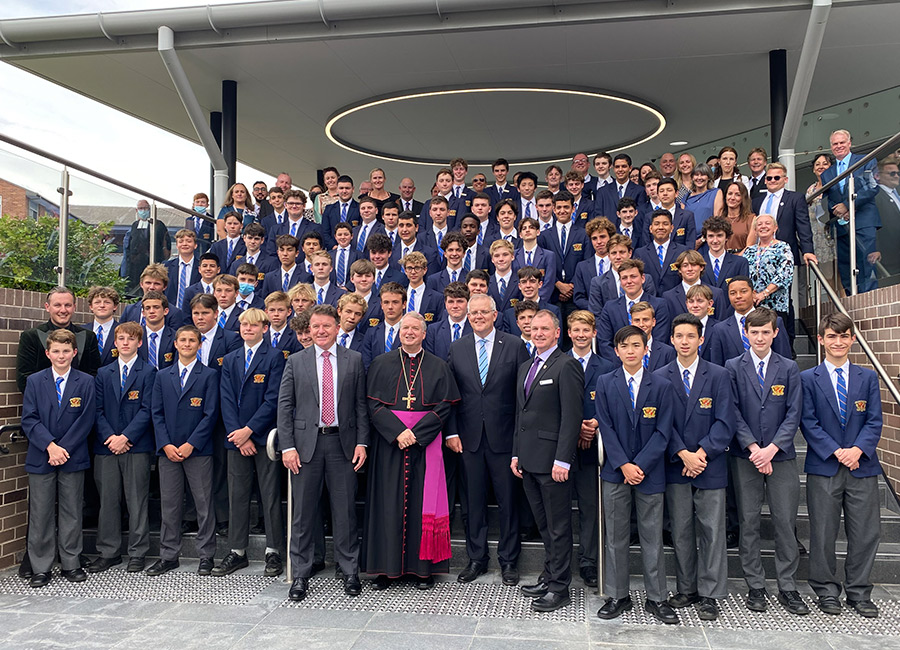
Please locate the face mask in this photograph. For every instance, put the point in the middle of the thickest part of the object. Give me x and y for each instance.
(713, 168)
(246, 289)
(143, 214)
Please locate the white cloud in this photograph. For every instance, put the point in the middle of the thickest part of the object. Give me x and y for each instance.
(91, 134)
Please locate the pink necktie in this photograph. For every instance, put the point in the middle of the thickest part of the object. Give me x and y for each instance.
(327, 390)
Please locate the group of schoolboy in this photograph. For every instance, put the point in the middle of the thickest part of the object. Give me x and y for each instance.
(704, 386)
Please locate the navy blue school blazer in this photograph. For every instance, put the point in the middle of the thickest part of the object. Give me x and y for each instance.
(821, 420)
(68, 424)
(732, 266)
(705, 419)
(439, 336)
(766, 415)
(189, 414)
(166, 354)
(250, 399)
(724, 341)
(125, 411)
(640, 435)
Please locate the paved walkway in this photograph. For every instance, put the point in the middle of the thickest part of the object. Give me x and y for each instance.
(249, 611)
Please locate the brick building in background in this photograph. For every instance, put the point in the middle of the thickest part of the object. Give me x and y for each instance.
(19, 202)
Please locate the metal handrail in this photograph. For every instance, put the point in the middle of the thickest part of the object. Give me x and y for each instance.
(891, 144)
(876, 364)
(15, 435)
(103, 177)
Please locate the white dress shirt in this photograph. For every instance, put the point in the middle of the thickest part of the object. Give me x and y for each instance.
(206, 344)
(833, 376)
(126, 364)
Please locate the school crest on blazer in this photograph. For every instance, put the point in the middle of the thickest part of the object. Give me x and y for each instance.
(259, 379)
(711, 311)
(286, 353)
(220, 360)
(134, 394)
(576, 248)
(706, 402)
(115, 353)
(196, 401)
(75, 402)
(778, 390)
(429, 317)
(673, 266)
(513, 302)
(373, 322)
(593, 395)
(168, 356)
(260, 276)
(860, 405)
(679, 232)
(649, 411)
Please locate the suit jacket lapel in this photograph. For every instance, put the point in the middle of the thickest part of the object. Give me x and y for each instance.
(771, 370)
(254, 361)
(823, 381)
(309, 362)
(189, 380)
(621, 385)
(643, 390)
(496, 353)
(698, 385)
(131, 378)
(750, 370)
(343, 366)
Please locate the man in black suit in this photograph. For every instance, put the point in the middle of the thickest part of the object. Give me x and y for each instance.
(888, 203)
(323, 441)
(549, 393)
(407, 202)
(485, 364)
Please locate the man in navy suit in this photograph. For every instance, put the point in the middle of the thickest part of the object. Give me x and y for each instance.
(582, 204)
(57, 416)
(454, 246)
(277, 214)
(842, 422)
(599, 231)
(607, 287)
(488, 228)
(503, 286)
(697, 470)
(225, 290)
(254, 238)
(660, 254)
(501, 189)
(659, 352)
(122, 450)
(409, 242)
(344, 210)
(617, 313)
(350, 309)
(721, 265)
(379, 247)
(727, 338)
(684, 230)
(250, 380)
(634, 411)
(433, 227)
(868, 220)
(690, 265)
(102, 302)
(183, 270)
(529, 252)
(384, 337)
(185, 411)
(154, 278)
(343, 256)
(632, 225)
(205, 230)
(451, 327)
(420, 298)
(768, 403)
(327, 292)
(369, 224)
(485, 364)
(608, 196)
(231, 246)
(790, 211)
(160, 349)
(476, 255)
(289, 272)
(582, 332)
(279, 335)
(209, 268)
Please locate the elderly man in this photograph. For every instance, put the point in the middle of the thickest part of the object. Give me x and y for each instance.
(136, 247)
(407, 522)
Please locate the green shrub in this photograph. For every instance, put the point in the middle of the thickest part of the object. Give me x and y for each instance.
(29, 251)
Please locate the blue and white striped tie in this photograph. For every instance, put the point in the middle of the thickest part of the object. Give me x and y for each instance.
(59, 381)
(842, 395)
(483, 361)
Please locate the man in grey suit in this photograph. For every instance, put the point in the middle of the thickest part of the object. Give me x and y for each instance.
(323, 431)
(549, 395)
(888, 203)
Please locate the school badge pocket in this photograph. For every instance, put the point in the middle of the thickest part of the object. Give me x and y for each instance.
(706, 402)
(286, 353)
(513, 302)
(75, 402)
(860, 406)
(196, 401)
(220, 360)
(593, 395)
(115, 353)
(168, 356)
(259, 379)
(649, 411)
(711, 311)
(576, 248)
(373, 322)
(679, 232)
(134, 394)
(673, 266)
(778, 390)
(428, 317)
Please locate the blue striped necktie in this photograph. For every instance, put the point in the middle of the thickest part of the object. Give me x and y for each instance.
(389, 342)
(275, 338)
(842, 395)
(183, 377)
(631, 392)
(686, 380)
(151, 352)
(59, 381)
(744, 340)
(412, 301)
(221, 321)
(761, 375)
(100, 338)
(341, 266)
(483, 361)
(344, 337)
(230, 251)
(343, 211)
(716, 269)
(248, 360)
(361, 240)
(456, 331)
(182, 284)
(124, 377)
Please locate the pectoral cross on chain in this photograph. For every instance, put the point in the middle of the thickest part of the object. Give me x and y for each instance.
(409, 399)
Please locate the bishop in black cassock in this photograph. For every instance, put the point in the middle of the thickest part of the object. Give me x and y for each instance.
(406, 529)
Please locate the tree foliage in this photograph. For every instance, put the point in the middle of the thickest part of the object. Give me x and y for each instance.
(29, 253)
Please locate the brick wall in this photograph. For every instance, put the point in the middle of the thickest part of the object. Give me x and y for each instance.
(15, 203)
(19, 310)
(877, 315)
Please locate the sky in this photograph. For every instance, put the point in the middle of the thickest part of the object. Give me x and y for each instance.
(65, 123)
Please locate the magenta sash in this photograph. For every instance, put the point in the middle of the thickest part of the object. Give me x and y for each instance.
(435, 544)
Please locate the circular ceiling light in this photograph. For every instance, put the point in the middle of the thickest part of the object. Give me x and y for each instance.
(647, 113)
